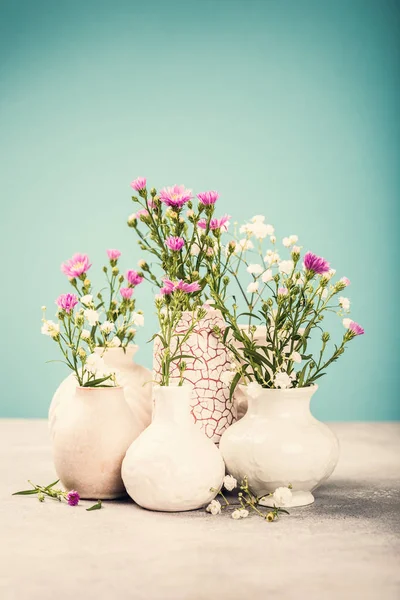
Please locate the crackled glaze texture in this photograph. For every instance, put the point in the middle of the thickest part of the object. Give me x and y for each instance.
(212, 409)
(130, 376)
(278, 442)
(90, 436)
(172, 466)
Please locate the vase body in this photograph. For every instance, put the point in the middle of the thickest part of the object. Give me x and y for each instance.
(211, 407)
(278, 442)
(172, 466)
(240, 397)
(91, 434)
(130, 376)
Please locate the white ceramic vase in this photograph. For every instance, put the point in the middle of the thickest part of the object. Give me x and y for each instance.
(130, 376)
(172, 465)
(91, 434)
(278, 442)
(240, 397)
(212, 409)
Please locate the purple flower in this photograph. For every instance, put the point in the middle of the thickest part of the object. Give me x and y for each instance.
(175, 196)
(73, 498)
(126, 292)
(76, 266)
(175, 243)
(113, 254)
(139, 184)
(173, 286)
(67, 302)
(221, 223)
(315, 263)
(133, 277)
(208, 198)
(356, 328)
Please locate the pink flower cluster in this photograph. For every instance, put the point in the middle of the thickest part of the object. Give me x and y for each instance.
(173, 286)
(208, 198)
(315, 263)
(221, 223)
(76, 266)
(67, 302)
(175, 196)
(139, 184)
(175, 243)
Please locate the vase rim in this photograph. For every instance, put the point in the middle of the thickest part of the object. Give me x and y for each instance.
(130, 347)
(82, 388)
(287, 391)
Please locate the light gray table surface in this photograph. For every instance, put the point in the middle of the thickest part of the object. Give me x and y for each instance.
(344, 546)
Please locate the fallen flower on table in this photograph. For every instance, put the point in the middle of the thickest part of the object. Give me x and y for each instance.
(72, 497)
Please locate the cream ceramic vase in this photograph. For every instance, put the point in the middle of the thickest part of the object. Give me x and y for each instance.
(131, 376)
(91, 434)
(278, 442)
(240, 397)
(211, 407)
(172, 465)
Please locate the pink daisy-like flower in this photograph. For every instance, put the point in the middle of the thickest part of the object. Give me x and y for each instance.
(133, 277)
(356, 328)
(167, 288)
(315, 263)
(73, 498)
(221, 223)
(173, 286)
(208, 198)
(67, 302)
(175, 243)
(139, 184)
(175, 196)
(113, 254)
(141, 213)
(76, 266)
(126, 292)
(345, 280)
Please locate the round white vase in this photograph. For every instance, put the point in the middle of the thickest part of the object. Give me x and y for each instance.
(130, 376)
(172, 465)
(279, 443)
(212, 409)
(90, 437)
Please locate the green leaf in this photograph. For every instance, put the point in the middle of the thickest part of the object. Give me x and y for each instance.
(234, 383)
(95, 382)
(284, 511)
(48, 487)
(96, 506)
(25, 493)
(246, 314)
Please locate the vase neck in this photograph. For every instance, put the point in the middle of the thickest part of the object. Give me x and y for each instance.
(293, 403)
(172, 405)
(118, 357)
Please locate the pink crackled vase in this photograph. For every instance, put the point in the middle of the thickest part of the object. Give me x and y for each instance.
(211, 407)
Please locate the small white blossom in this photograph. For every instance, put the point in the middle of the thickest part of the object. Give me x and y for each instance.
(258, 219)
(132, 218)
(286, 266)
(296, 249)
(95, 364)
(85, 334)
(254, 389)
(344, 303)
(252, 287)
(267, 276)
(346, 323)
(229, 483)
(295, 357)
(282, 380)
(50, 328)
(87, 300)
(273, 239)
(286, 242)
(282, 496)
(227, 377)
(271, 257)
(214, 507)
(138, 319)
(107, 327)
(243, 245)
(115, 342)
(236, 515)
(92, 316)
(244, 513)
(255, 269)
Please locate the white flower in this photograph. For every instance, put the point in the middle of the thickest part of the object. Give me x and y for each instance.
(255, 269)
(286, 266)
(252, 287)
(282, 496)
(254, 389)
(243, 513)
(95, 364)
(115, 342)
(50, 328)
(132, 218)
(92, 316)
(87, 300)
(229, 482)
(282, 380)
(286, 242)
(236, 515)
(246, 228)
(293, 239)
(243, 245)
(271, 257)
(260, 230)
(194, 249)
(296, 357)
(258, 219)
(296, 249)
(214, 507)
(273, 239)
(107, 327)
(346, 323)
(227, 377)
(138, 319)
(85, 335)
(267, 276)
(344, 303)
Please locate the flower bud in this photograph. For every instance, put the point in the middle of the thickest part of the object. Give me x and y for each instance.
(153, 192)
(115, 271)
(270, 516)
(86, 282)
(325, 337)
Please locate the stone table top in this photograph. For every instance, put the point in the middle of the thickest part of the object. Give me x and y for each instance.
(345, 546)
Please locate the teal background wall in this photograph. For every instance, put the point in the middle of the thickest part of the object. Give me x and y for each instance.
(288, 108)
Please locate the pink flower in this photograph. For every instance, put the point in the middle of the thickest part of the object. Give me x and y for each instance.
(126, 292)
(139, 184)
(175, 243)
(208, 198)
(282, 291)
(356, 328)
(175, 196)
(345, 281)
(221, 223)
(133, 278)
(141, 213)
(67, 302)
(73, 498)
(76, 266)
(168, 287)
(113, 254)
(315, 263)
(172, 286)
